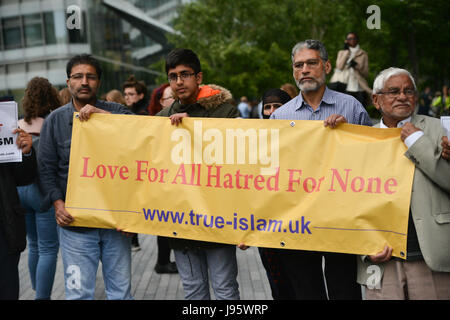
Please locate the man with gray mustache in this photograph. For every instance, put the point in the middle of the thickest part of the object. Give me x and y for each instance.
(425, 274)
(310, 66)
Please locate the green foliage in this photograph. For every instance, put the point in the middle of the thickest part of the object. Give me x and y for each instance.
(245, 45)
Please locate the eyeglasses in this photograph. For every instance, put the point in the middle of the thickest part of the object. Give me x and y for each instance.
(312, 64)
(173, 77)
(80, 76)
(269, 106)
(394, 93)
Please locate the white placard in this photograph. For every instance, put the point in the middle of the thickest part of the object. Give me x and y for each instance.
(446, 124)
(9, 152)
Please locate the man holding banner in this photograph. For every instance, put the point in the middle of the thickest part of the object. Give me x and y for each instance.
(426, 272)
(316, 102)
(81, 248)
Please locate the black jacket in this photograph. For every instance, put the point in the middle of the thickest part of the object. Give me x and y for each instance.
(12, 215)
(140, 107)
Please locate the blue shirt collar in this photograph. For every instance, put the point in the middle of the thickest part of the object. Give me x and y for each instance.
(327, 99)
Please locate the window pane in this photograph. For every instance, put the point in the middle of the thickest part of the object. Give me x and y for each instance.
(49, 23)
(16, 68)
(60, 26)
(33, 30)
(12, 36)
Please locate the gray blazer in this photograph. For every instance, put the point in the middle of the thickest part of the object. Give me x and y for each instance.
(430, 199)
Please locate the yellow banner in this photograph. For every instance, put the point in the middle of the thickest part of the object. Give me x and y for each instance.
(268, 183)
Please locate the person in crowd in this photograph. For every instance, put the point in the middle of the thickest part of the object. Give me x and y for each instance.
(81, 248)
(135, 93)
(317, 102)
(425, 274)
(64, 96)
(257, 111)
(162, 97)
(279, 283)
(39, 100)
(273, 99)
(425, 101)
(115, 96)
(12, 214)
(290, 89)
(244, 108)
(355, 62)
(441, 103)
(195, 259)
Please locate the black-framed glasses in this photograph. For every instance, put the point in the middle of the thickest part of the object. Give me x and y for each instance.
(394, 93)
(173, 77)
(312, 64)
(80, 76)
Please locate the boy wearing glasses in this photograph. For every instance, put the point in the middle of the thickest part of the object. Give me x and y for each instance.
(195, 259)
(192, 99)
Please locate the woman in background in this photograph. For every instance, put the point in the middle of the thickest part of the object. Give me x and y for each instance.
(39, 100)
(115, 96)
(162, 97)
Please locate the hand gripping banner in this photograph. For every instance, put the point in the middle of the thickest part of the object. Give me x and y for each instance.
(267, 183)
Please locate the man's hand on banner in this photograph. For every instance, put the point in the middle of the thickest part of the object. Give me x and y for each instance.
(87, 110)
(63, 218)
(125, 233)
(334, 120)
(407, 130)
(242, 246)
(383, 256)
(176, 118)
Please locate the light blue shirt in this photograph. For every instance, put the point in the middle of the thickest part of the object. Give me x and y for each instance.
(244, 109)
(332, 102)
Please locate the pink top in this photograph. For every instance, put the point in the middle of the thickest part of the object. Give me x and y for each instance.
(34, 127)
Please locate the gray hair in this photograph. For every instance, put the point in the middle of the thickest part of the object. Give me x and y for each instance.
(310, 44)
(384, 75)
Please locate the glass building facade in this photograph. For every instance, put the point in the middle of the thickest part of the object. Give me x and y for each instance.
(38, 37)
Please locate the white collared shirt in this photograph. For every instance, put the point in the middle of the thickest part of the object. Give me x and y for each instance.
(412, 138)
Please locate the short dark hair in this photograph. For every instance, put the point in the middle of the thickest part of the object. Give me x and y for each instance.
(83, 59)
(139, 86)
(185, 57)
(278, 95)
(354, 33)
